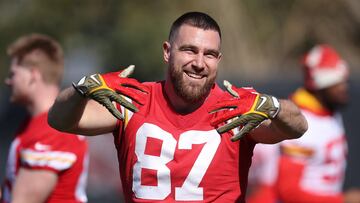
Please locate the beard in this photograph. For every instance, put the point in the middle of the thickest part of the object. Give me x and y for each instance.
(335, 104)
(189, 92)
(334, 101)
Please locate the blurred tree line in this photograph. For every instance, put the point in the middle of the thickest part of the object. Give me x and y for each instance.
(261, 38)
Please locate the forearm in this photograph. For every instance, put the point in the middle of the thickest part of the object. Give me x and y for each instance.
(289, 122)
(76, 114)
(33, 186)
(66, 112)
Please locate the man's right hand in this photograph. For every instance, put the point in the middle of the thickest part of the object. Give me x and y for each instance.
(247, 109)
(111, 87)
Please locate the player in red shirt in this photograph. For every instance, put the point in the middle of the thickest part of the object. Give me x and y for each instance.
(174, 137)
(312, 168)
(44, 165)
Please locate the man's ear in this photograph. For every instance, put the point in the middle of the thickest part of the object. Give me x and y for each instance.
(220, 56)
(35, 75)
(166, 51)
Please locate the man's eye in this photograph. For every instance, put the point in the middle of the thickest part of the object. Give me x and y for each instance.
(189, 50)
(211, 55)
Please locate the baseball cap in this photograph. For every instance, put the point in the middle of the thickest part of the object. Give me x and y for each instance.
(323, 67)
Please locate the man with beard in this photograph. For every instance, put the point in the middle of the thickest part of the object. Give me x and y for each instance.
(168, 146)
(312, 168)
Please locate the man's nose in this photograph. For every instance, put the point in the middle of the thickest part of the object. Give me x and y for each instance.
(199, 61)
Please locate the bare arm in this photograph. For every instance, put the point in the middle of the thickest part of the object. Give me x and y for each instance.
(288, 124)
(33, 186)
(75, 114)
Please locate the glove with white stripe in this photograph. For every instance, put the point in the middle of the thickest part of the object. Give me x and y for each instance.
(111, 87)
(247, 109)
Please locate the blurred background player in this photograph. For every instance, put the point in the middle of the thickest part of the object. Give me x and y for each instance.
(312, 168)
(44, 165)
(263, 174)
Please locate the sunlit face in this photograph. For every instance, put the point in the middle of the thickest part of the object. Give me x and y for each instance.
(193, 59)
(18, 80)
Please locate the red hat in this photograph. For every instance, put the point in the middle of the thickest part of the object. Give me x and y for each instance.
(323, 67)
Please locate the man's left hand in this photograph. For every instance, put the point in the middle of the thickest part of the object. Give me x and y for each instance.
(247, 109)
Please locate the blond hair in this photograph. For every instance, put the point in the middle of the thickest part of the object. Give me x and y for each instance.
(41, 52)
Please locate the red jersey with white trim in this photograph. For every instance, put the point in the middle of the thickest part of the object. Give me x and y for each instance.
(38, 146)
(165, 156)
(312, 167)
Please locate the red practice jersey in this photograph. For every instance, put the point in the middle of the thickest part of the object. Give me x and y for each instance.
(37, 146)
(165, 156)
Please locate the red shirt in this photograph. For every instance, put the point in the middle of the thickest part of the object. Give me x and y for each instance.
(38, 146)
(170, 157)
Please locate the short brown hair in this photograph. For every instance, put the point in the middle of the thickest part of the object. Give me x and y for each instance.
(41, 52)
(195, 19)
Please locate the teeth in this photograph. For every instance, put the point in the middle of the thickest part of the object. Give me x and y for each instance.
(194, 75)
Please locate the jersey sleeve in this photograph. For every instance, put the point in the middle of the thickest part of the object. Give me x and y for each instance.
(56, 152)
(52, 160)
(126, 113)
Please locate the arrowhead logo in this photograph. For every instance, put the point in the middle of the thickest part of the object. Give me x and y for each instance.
(94, 78)
(262, 102)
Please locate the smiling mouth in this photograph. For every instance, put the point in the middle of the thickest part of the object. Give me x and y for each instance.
(194, 75)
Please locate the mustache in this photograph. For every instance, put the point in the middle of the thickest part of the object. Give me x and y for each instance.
(190, 92)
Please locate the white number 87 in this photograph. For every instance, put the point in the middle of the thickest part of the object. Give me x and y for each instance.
(190, 189)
